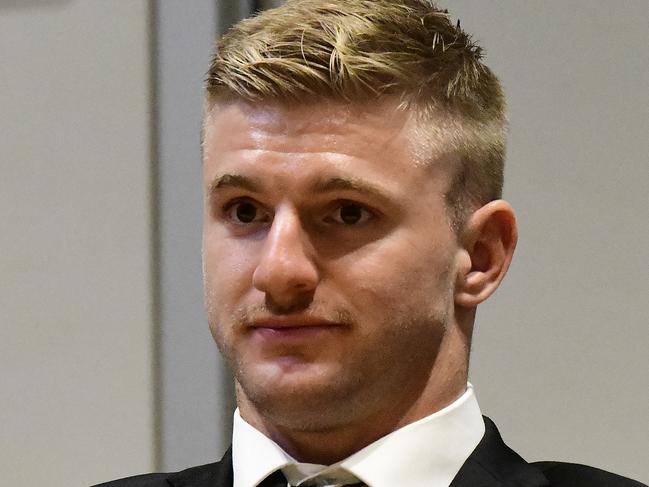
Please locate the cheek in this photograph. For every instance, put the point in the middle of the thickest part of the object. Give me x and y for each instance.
(227, 272)
(404, 278)
(227, 269)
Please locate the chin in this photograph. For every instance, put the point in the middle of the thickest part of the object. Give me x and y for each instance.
(307, 418)
(299, 400)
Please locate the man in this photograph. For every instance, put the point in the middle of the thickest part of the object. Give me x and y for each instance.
(353, 167)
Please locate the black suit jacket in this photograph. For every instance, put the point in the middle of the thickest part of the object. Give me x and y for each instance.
(492, 464)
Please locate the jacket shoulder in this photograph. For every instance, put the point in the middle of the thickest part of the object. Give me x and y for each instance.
(575, 475)
(212, 474)
(146, 480)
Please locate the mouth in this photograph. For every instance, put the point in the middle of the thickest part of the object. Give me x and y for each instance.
(293, 321)
(293, 327)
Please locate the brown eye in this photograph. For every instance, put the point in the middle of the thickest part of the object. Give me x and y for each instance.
(246, 212)
(351, 214)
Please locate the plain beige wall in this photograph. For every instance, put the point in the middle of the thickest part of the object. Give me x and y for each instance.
(76, 388)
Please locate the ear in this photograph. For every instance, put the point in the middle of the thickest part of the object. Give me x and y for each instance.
(487, 242)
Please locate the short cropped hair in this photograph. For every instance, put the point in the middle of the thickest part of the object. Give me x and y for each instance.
(356, 51)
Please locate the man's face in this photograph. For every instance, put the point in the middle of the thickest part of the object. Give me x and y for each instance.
(329, 261)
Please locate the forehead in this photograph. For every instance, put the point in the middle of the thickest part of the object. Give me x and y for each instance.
(356, 130)
(296, 145)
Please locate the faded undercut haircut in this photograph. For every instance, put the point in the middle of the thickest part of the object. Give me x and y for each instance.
(356, 51)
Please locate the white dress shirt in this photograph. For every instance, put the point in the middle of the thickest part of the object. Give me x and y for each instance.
(428, 452)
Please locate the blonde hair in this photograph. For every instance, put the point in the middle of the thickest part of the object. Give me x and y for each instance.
(358, 51)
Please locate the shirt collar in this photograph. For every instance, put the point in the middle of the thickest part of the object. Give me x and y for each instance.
(428, 452)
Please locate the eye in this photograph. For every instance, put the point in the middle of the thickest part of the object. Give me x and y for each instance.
(349, 213)
(245, 212)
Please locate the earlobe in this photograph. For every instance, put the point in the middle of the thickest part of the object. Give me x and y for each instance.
(488, 241)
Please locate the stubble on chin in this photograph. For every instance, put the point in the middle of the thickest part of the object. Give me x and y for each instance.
(298, 405)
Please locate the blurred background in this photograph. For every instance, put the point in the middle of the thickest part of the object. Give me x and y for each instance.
(107, 368)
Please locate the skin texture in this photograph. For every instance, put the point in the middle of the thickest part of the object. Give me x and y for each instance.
(334, 284)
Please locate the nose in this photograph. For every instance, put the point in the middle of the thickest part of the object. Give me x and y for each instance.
(286, 271)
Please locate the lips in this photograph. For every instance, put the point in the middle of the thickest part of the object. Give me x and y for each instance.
(293, 328)
(287, 323)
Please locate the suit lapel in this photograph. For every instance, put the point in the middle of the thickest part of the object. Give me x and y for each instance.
(494, 464)
(217, 474)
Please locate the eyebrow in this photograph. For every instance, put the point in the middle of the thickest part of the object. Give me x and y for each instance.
(348, 184)
(323, 186)
(233, 181)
